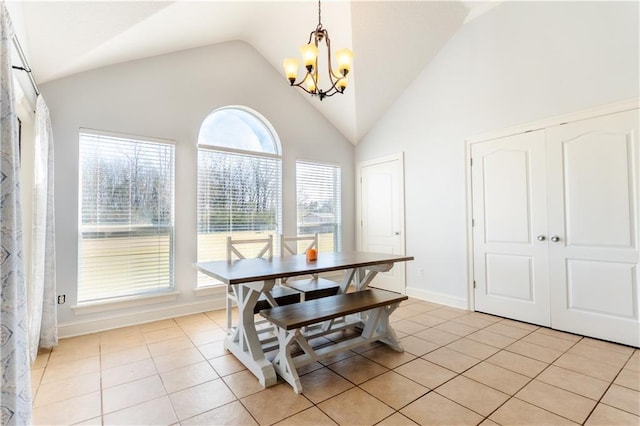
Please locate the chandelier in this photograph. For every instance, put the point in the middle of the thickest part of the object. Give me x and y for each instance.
(310, 82)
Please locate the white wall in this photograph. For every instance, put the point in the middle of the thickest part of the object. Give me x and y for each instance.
(520, 62)
(168, 97)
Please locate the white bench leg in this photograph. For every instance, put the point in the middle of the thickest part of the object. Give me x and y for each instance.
(283, 363)
(385, 328)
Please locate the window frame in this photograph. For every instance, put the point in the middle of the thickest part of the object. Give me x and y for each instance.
(165, 292)
(203, 281)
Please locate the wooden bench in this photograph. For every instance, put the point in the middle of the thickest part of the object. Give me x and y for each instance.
(367, 310)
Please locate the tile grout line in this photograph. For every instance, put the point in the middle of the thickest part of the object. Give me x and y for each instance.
(469, 368)
(501, 349)
(531, 380)
(611, 383)
(456, 373)
(101, 393)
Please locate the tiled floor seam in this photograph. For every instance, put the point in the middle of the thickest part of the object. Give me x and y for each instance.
(515, 397)
(168, 395)
(397, 410)
(549, 384)
(551, 412)
(501, 349)
(598, 402)
(101, 390)
(611, 383)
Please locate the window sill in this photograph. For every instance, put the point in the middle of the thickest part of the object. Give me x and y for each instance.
(210, 290)
(123, 302)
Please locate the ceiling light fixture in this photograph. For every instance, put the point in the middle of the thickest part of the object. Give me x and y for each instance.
(309, 51)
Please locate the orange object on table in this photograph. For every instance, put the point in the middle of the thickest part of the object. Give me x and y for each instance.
(312, 254)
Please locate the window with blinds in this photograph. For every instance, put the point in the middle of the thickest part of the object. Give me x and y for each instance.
(318, 189)
(239, 184)
(126, 224)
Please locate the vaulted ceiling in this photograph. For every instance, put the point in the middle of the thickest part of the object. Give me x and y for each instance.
(392, 41)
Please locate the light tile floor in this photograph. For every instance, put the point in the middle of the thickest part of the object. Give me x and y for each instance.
(458, 368)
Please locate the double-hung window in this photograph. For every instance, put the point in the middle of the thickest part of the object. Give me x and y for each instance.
(239, 183)
(126, 224)
(318, 189)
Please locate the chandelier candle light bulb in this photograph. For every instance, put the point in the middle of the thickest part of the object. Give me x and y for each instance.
(309, 52)
(344, 58)
(291, 69)
(311, 84)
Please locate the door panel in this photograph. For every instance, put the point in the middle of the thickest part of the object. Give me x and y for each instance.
(593, 209)
(506, 196)
(509, 212)
(378, 216)
(596, 167)
(382, 216)
(510, 277)
(585, 293)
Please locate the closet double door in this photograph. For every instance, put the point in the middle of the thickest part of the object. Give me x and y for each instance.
(555, 227)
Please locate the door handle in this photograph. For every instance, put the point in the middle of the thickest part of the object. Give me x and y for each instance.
(397, 233)
(541, 237)
(555, 238)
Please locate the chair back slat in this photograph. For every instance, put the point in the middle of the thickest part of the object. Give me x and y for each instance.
(265, 251)
(289, 245)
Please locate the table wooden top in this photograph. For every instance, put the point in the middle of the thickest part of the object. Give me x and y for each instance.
(258, 269)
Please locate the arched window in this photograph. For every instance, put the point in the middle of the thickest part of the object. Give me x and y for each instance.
(239, 181)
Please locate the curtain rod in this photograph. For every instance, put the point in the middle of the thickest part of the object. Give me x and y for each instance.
(26, 68)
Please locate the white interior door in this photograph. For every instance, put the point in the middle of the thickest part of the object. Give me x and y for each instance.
(593, 218)
(509, 232)
(381, 212)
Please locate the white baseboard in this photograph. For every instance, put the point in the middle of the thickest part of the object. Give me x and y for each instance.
(441, 298)
(80, 327)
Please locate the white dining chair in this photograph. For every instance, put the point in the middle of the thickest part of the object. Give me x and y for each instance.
(314, 287)
(256, 248)
(289, 246)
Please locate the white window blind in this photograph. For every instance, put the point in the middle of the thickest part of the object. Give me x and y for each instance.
(239, 194)
(126, 224)
(318, 189)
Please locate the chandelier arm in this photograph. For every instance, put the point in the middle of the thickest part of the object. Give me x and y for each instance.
(332, 75)
(328, 95)
(302, 87)
(333, 90)
(303, 79)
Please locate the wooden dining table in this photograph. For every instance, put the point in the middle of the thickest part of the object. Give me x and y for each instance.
(256, 276)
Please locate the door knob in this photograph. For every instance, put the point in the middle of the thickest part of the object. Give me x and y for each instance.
(555, 238)
(541, 237)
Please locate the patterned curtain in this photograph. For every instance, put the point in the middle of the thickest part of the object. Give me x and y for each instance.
(43, 325)
(15, 393)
